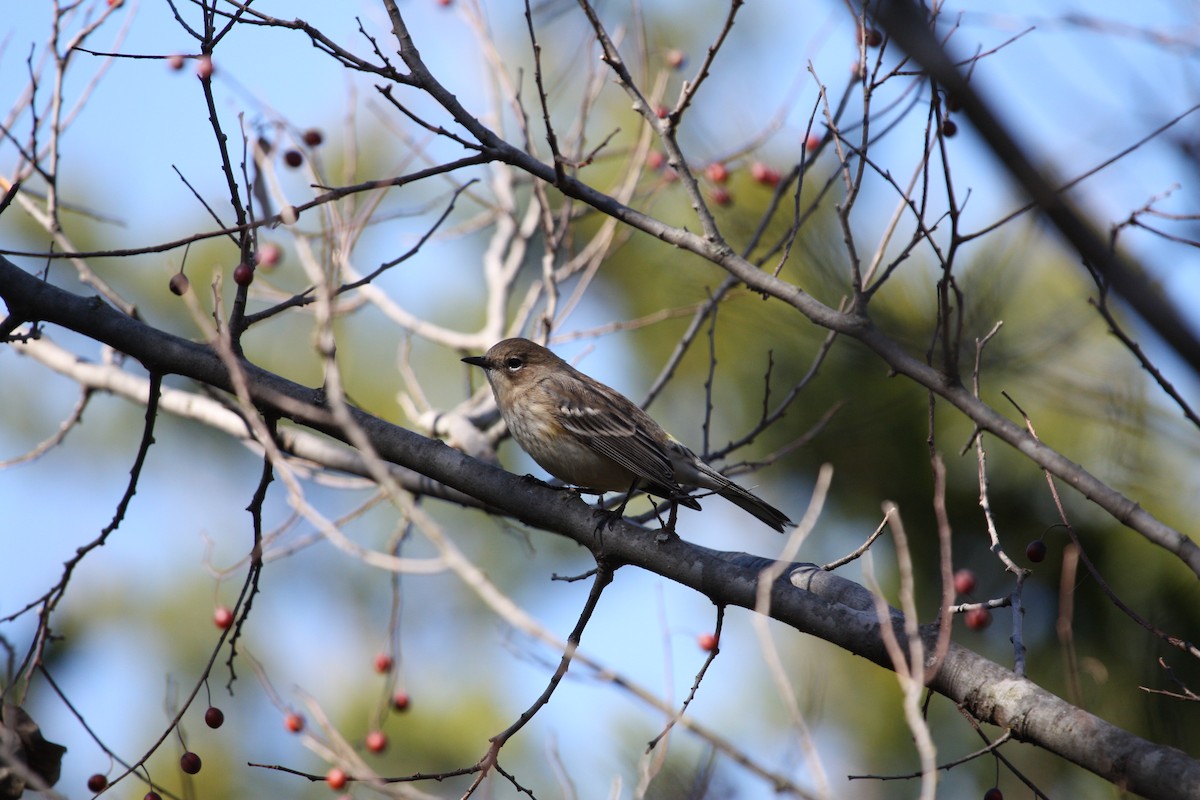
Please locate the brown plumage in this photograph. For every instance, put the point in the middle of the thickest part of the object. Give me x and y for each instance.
(589, 435)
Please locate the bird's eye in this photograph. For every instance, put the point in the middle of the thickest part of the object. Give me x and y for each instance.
(513, 363)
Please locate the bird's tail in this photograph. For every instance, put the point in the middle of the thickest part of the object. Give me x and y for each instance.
(691, 471)
(748, 502)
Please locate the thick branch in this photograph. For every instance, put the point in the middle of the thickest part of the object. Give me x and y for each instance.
(814, 602)
(1122, 508)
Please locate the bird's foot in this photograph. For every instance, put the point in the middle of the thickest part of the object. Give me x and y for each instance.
(607, 518)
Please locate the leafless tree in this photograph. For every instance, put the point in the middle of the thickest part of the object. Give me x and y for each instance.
(582, 137)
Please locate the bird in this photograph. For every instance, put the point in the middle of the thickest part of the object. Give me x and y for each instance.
(592, 437)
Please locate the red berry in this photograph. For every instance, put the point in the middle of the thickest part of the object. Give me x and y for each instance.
(400, 701)
(175, 62)
(1035, 551)
(336, 778)
(721, 196)
(97, 783)
(993, 793)
(293, 158)
(676, 59)
(444, 3)
(964, 581)
(717, 172)
(377, 741)
(978, 619)
(313, 137)
(294, 722)
(222, 617)
(383, 663)
(178, 284)
(214, 717)
(655, 159)
(661, 112)
(152, 795)
(707, 642)
(204, 67)
(243, 274)
(189, 762)
(268, 255)
(763, 174)
(949, 128)
(812, 142)
(874, 38)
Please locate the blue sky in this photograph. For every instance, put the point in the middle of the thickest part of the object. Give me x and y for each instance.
(1074, 95)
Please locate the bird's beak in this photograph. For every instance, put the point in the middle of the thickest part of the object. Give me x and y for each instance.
(478, 361)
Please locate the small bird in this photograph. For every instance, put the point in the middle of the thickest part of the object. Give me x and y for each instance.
(593, 437)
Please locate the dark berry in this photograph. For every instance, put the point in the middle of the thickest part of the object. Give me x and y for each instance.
(214, 717)
(97, 783)
(1035, 551)
(243, 274)
(293, 158)
(189, 762)
(179, 284)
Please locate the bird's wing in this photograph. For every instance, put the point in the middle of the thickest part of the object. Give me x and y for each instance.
(628, 436)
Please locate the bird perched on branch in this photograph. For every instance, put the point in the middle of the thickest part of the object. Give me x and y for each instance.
(593, 437)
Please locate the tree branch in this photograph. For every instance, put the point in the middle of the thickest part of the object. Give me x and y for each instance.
(810, 600)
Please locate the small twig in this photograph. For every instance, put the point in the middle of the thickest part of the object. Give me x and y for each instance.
(934, 662)
(1101, 306)
(949, 765)
(551, 136)
(1184, 694)
(603, 577)
(1175, 641)
(712, 655)
(1000, 757)
(41, 448)
(862, 548)
(306, 297)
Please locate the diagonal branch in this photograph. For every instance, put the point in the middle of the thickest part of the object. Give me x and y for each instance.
(910, 27)
(810, 600)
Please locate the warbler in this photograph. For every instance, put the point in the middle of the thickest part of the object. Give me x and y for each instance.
(593, 437)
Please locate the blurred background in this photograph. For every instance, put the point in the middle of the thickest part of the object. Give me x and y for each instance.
(1079, 83)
